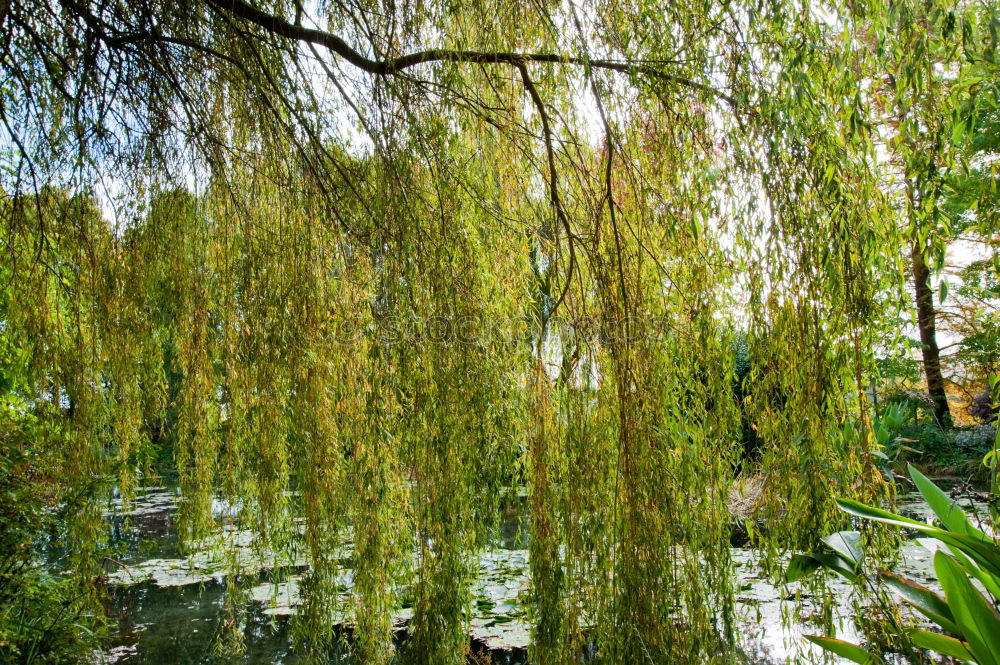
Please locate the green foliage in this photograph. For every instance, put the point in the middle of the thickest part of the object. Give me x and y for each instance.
(966, 616)
(908, 429)
(898, 368)
(44, 617)
(888, 430)
(935, 444)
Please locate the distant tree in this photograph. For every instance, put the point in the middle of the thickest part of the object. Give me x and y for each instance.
(935, 94)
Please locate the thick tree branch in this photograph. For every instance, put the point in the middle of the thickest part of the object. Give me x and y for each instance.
(280, 26)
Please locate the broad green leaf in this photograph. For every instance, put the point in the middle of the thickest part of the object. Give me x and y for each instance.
(837, 564)
(989, 581)
(847, 544)
(851, 652)
(941, 644)
(800, 566)
(976, 619)
(923, 599)
(985, 554)
(859, 509)
(804, 564)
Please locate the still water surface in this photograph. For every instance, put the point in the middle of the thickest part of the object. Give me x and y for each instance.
(169, 608)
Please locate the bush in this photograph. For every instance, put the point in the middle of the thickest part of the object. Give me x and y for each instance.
(933, 442)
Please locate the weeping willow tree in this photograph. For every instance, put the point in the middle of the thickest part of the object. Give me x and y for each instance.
(375, 264)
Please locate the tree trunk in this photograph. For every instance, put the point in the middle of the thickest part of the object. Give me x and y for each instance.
(928, 337)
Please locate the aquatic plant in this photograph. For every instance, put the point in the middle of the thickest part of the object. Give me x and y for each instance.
(963, 554)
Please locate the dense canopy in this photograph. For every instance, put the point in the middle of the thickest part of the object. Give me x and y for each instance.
(366, 267)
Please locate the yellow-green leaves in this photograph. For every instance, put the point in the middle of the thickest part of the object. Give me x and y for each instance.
(524, 260)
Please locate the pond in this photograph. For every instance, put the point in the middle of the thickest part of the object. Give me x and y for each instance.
(169, 607)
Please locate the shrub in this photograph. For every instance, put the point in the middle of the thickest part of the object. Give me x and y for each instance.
(934, 443)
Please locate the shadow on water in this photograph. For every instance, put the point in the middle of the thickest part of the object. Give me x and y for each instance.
(179, 625)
